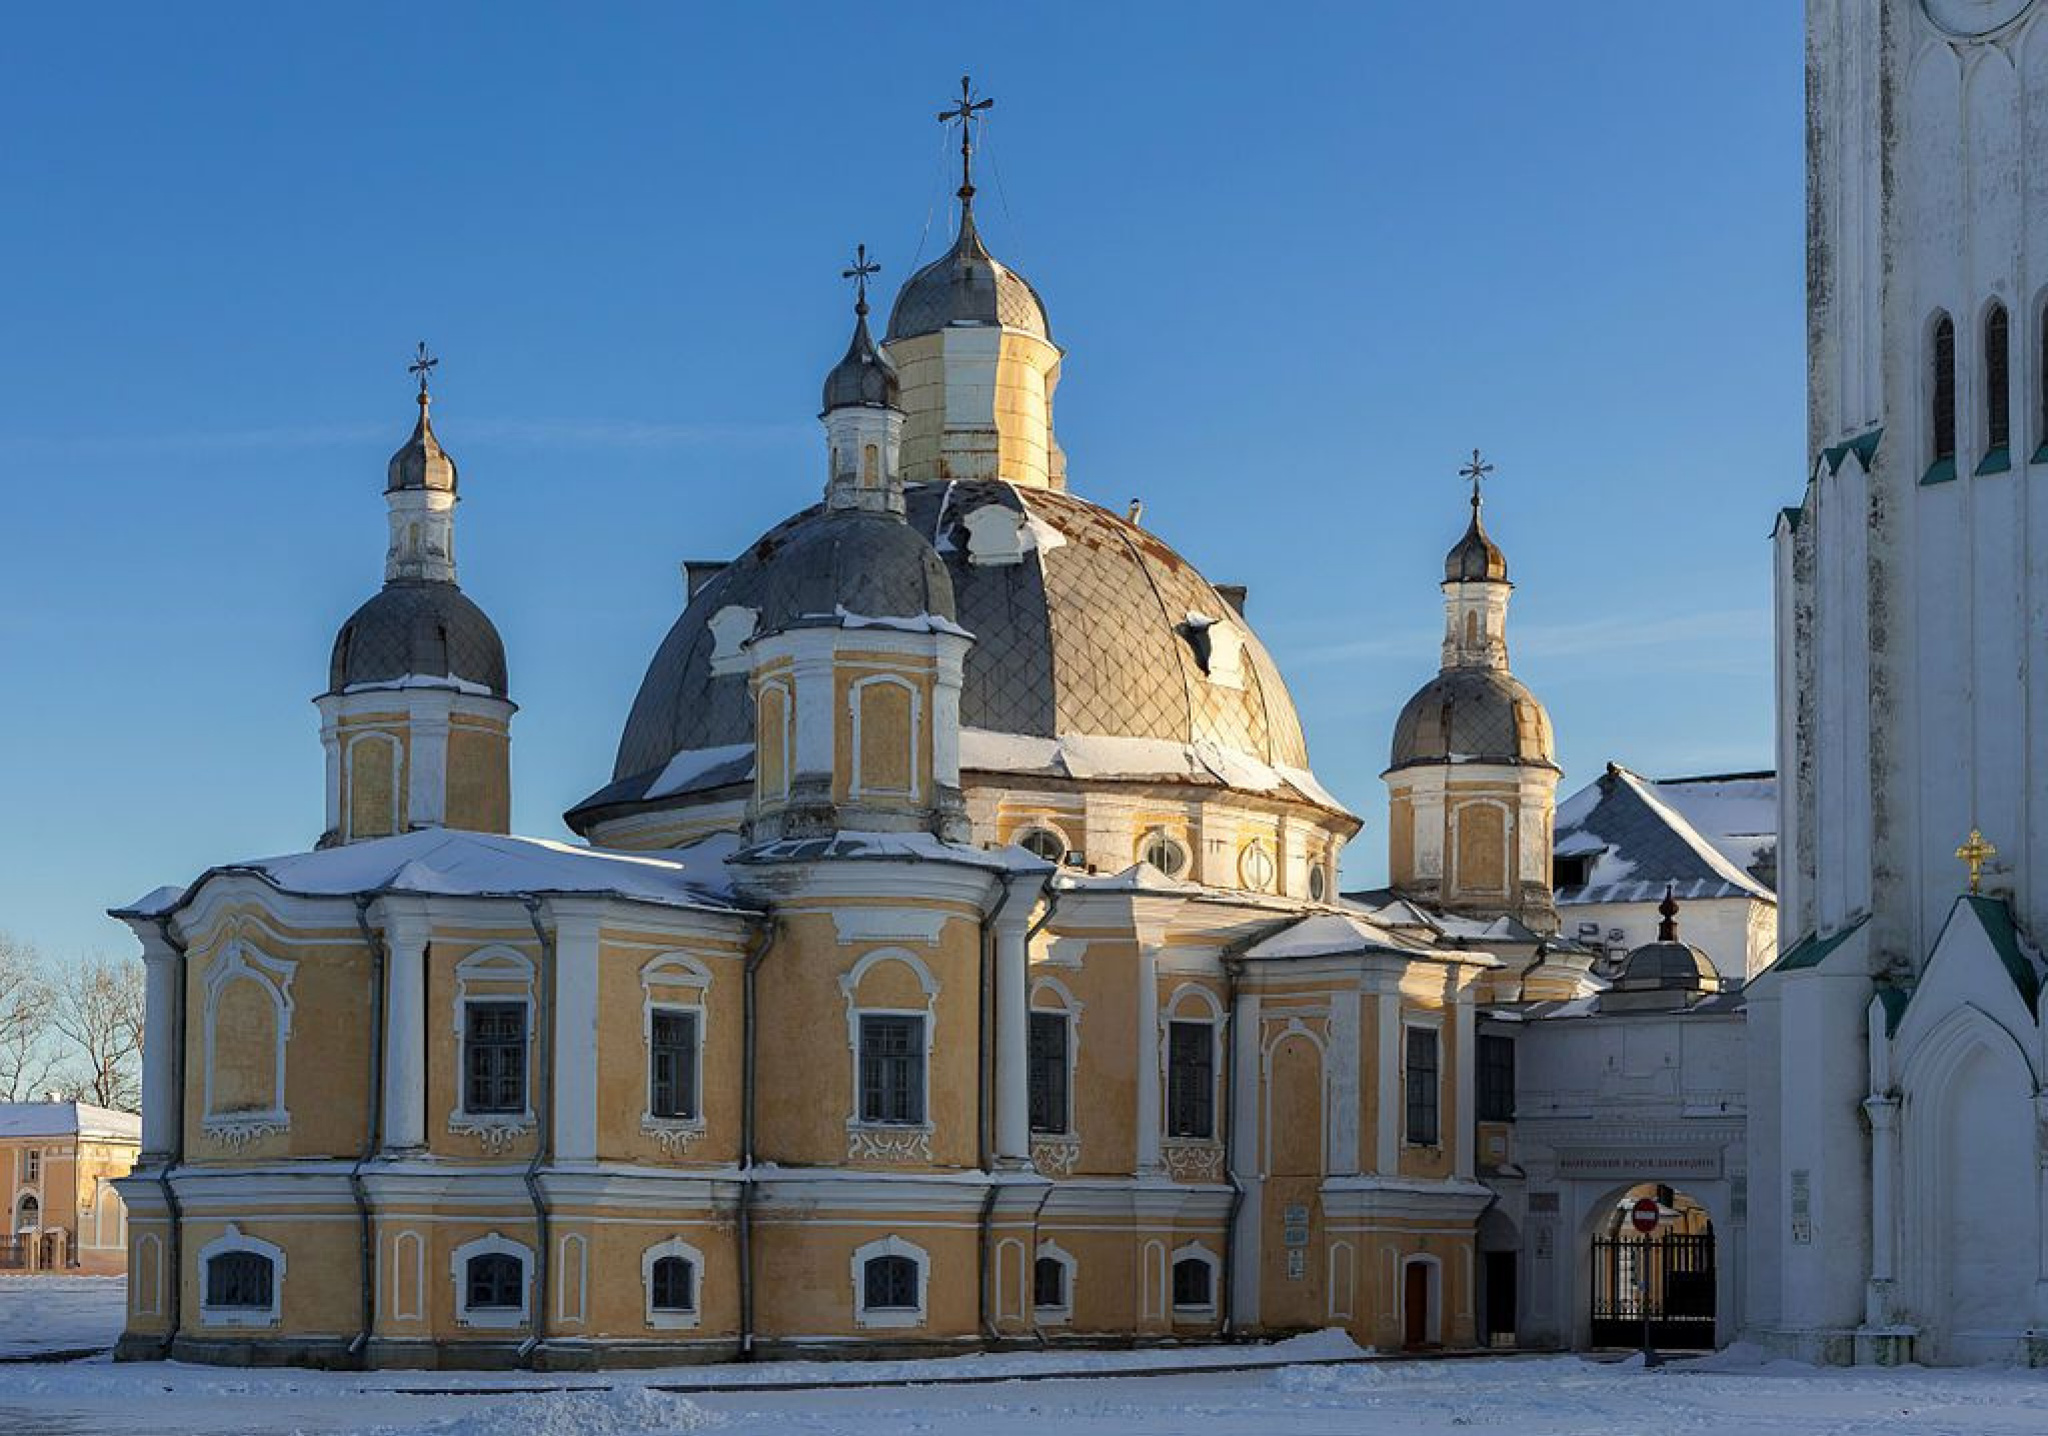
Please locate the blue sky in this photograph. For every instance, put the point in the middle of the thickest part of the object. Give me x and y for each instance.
(1302, 258)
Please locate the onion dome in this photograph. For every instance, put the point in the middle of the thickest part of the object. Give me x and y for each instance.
(421, 463)
(1475, 558)
(967, 285)
(418, 630)
(865, 377)
(1473, 715)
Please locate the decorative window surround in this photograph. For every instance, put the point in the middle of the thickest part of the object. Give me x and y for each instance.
(235, 1240)
(673, 1319)
(889, 1317)
(888, 1141)
(362, 748)
(491, 1318)
(683, 982)
(1063, 1313)
(1056, 1156)
(1070, 1007)
(1195, 1251)
(1192, 1160)
(241, 962)
(493, 974)
(1191, 1002)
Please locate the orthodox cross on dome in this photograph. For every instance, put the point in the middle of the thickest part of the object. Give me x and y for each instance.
(423, 364)
(1478, 471)
(862, 268)
(1976, 852)
(963, 114)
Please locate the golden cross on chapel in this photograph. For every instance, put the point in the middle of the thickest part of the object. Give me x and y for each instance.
(1976, 853)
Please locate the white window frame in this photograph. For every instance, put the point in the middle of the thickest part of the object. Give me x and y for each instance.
(1070, 1007)
(677, 1320)
(491, 965)
(890, 1317)
(1211, 1013)
(239, 961)
(859, 786)
(234, 1239)
(1062, 1314)
(685, 983)
(1159, 832)
(1268, 854)
(32, 1166)
(889, 1140)
(1051, 829)
(787, 692)
(492, 1318)
(1194, 1251)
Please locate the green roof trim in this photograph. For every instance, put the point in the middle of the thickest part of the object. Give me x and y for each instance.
(1997, 461)
(1813, 949)
(2005, 938)
(1894, 1000)
(1941, 471)
(1791, 518)
(2040, 455)
(1833, 455)
(1863, 446)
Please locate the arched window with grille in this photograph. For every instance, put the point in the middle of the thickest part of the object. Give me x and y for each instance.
(1997, 392)
(1942, 401)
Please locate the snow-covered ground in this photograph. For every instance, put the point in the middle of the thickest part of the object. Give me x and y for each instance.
(1537, 1396)
(60, 1313)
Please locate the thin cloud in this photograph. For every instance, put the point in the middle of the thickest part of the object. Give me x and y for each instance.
(1690, 639)
(537, 433)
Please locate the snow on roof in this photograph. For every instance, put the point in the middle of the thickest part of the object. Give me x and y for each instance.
(1091, 755)
(448, 862)
(919, 847)
(695, 768)
(1703, 837)
(68, 1119)
(1331, 934)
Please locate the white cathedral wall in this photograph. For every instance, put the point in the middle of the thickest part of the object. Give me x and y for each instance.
(1719, 927)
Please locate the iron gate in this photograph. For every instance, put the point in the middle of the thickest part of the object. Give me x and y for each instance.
(1673, 1275)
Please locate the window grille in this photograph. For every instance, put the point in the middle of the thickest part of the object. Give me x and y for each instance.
(892, 1069)
(889, 1283)
(1422, 1087)
(240, 1280)
(1997, 380)
(672, 1064)
(1944, 415)
(1048, 1070)
(493, 1281)
(674, 1285)
(494, 1051)
(1191, 1080)
(1496, 1078)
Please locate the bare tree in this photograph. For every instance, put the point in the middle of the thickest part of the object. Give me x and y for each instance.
(98, 1013)
(27, 1001)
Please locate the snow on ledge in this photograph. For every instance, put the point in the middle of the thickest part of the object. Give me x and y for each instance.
(1093, 755)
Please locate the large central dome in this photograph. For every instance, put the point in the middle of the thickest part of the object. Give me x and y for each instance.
(1084, 624)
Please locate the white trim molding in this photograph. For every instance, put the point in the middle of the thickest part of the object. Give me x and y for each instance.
(492, 967)
(677, 1318)
(908, 1142)
(889, 1317)
(1196, 1252)
(239, 961)
(857, 784)
(491, 1318)
(683, 981)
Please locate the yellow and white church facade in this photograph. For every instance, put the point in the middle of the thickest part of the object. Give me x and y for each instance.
(955, 960)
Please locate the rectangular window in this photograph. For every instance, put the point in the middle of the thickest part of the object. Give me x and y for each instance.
(32, 1165)
(240, 1280)
(494, 1056)
(1048, 1283)
(1496, 1079)
(1192, 1283)
(1048, 1067)
(672, 1063)
(1190, 1080)
(889, 1283)
(892, 1069)
(1422, 1087)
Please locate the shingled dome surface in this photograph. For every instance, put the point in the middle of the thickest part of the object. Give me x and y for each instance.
(418, 629)
(1473, 715)
(1082, 627)
(967, 285)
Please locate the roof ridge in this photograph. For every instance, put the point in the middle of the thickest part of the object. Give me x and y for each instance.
(1682, 828)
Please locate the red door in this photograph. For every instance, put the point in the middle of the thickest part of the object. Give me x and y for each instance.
(1415, 1304)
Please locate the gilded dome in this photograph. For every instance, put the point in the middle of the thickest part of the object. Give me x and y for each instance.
(1083, 623)
(967, 285)
(1475, 558)
(1473, 715)
(421, 462)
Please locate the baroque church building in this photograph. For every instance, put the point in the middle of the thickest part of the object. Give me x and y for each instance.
(956, 958)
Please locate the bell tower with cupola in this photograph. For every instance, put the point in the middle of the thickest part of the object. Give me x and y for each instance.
(970, 339)
(1472, 781)
(416, 720)
(855, 661)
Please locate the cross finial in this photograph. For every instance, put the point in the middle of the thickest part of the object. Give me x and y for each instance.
(963, 115)
(1976, 853)
(1477, 471)
(862, 268)
(423, 364)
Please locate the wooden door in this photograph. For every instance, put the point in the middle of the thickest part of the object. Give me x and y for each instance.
(1415, 1304)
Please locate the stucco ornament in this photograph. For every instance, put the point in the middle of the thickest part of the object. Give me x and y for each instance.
(1973, 19)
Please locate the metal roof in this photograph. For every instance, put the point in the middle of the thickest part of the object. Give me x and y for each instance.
(418, 628)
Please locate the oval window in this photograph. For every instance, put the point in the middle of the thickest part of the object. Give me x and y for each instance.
(1255, 866)
(1044, 843)
(1318, 883)
(1164, 852)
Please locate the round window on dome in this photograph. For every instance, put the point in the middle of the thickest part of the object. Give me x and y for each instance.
(1164, 852)
(1255, 866)
(1043, 842)
(1318, 883)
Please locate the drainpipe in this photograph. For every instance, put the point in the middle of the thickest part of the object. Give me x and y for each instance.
(984, 1098)
(174, 1254)
(530, 1350)
(1233, 969)
(749, 1024)
(373, 1132)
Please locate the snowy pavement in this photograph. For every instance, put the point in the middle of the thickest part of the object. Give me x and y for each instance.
(1530, 1396)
